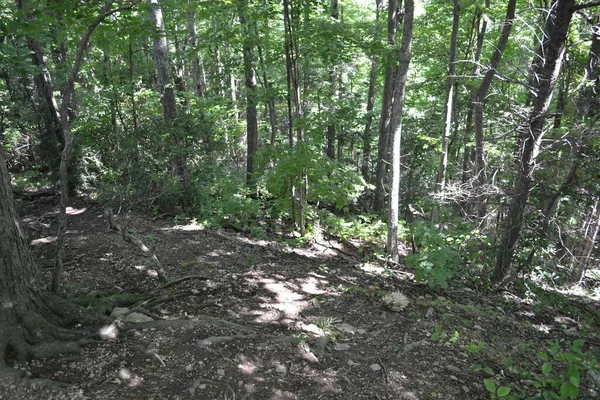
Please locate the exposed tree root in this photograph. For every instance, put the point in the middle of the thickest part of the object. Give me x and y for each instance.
(192, 323)
(175, 282)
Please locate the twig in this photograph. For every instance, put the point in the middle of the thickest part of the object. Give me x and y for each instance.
(387, 379)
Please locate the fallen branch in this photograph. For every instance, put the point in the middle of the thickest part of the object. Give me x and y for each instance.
(128, 237)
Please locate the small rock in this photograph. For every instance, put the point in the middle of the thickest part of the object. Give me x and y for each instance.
(396, 301)
(478, 327)
(119, 311)
(312, 328)
(347, 328)
(352, 363)
(453, 368)
(429, 312)
(453, 377)
(375, 367)
(202, 386)
(310, 357)
(465, 389)
(280, 369)
(342, 346)
(361, 331)
(221, 372)
(320, 343)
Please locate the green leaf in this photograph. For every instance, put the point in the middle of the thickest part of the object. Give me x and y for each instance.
(546, 368)
(543, 356)
(503, 391)
(490, 385)
(472, 348)
(489, 371)
(566, 390)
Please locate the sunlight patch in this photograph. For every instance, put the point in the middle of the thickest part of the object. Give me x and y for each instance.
(191, 227)
(542, 328)
(246, 366)
(75, 211)
(45, 240)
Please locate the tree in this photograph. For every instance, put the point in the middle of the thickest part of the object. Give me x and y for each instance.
(383, 144)
(396, 127)
(448, 105)
(167, 91)
(251, 95)
(30, 316)
(478, 107)
(546, 72)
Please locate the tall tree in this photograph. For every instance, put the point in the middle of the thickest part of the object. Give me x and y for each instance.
(366, 150)
(448, 104)
(167, 92)
(251, 95)
(396, 127)
(478, 108)
(551, 54)
(333, 88)
(383, 144)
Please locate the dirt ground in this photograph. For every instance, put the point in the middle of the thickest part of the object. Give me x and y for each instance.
(257, 319)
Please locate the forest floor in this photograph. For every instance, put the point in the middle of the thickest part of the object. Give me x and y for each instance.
(260, 320)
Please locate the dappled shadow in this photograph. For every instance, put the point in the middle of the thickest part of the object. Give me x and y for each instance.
(259, 320)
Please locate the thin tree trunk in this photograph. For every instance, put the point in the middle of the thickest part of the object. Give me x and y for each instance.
(396, 127)
(167, 92)
(552, 53)
(386, 107)
(448, 106)
(267, 85)
(331, 127)
(479, 104)
(251, 95)
(366, 139)
(193, 36)
(591, 236)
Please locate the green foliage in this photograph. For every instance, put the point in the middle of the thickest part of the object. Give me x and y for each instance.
(440, 336)
(563, 369)
(329, 183)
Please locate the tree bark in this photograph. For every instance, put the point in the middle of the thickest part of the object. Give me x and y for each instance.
(551, 55)
(448, 105)
(251, 95)
(331, 127)
(366, 139)
(29, 315)
(396, 128)
(386, 107)
(478, 109)
(167, 93)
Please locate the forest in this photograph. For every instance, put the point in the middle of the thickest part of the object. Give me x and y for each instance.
(300, 199)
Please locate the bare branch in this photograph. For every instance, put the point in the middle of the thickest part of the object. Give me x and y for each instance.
(584, 6)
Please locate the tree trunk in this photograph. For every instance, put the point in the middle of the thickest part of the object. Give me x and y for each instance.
(251, 95)
(386, 108)
(396, 128)
(551, 55)
(331, 128)
(591, 236)
(479, 103)
(29, 315)
(167, 93)
(196, 73)
(366, 139)
(448, 106)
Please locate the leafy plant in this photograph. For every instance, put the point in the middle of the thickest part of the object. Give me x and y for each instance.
(439, 335)
(496, 392)
(562, 370)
